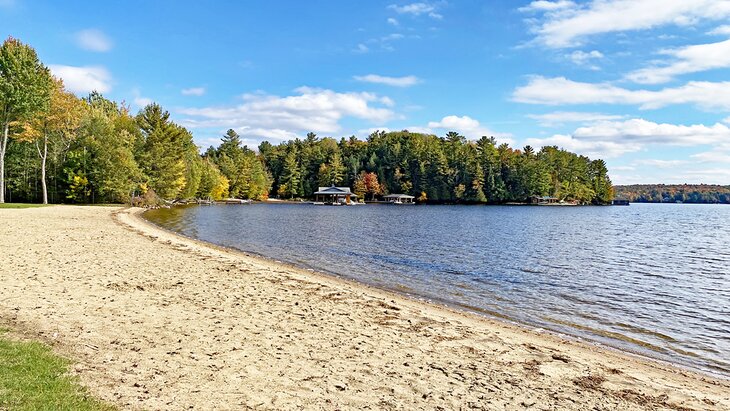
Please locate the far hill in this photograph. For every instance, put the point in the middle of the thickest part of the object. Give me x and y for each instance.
(673, 193)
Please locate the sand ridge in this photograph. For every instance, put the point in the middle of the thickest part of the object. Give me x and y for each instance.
(158, 321)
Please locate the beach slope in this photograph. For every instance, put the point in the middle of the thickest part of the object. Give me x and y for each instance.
(158, 321)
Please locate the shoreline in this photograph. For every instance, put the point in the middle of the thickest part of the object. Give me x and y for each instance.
(157, 320)
(570, 331)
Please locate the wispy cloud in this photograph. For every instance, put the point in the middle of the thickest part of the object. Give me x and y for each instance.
(544, 5)
(405, 81)
(688, 59)
(582, 58)
(139, 100)
(720, 31)
(610, 139)
(193, 91)
(382, 43)
(418, 9)
(601, 149)
(561, 91)
(393, 21)
(83, 79)
(567, 24)
(722, 157)
(661, 163)
(559, 118)
(93, 40)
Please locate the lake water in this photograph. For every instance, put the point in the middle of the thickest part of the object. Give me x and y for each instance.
(653, 279)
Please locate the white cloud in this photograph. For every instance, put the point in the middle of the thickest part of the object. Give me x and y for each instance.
(82, 80)
(466, 126)
(593, 149)
(93, 40)
(561, 91)
(405, 81)
(544, 5)
(142, 102)
(570, 24)
(386, 101)
(609, 139)
(417, 9)
(712, 157)
(581, 58)
(361, 48)
(647, 132)
(558, 118)
(689, 59)
(139, 100)
(269, 116)
(193, 91)
(392, 21)
(256, 133)
(661, 163)
(720, 30)
(419, 129)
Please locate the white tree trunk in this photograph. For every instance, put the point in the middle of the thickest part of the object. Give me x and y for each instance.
(43, 169)
(3, 146)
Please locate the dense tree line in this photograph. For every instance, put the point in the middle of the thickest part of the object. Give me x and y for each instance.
(434, 169)
(684, 193)
(56, 147)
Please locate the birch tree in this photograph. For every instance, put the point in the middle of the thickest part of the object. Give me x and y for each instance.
(25, 90)
(56, 125)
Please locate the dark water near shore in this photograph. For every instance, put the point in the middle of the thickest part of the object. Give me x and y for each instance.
(649, 278)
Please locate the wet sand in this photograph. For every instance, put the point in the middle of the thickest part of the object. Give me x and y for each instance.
(153, 320)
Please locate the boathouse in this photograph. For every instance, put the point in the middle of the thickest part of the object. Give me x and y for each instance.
(334, 195)
(543, 200)
(399, 199)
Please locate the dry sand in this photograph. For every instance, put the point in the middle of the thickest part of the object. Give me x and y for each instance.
(157, 321)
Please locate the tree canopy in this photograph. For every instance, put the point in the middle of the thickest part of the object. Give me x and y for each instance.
(435, 169)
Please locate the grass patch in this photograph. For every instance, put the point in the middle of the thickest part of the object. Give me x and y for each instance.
(33, 378)
(22, 205)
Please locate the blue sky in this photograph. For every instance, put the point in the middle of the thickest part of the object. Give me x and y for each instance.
(644, 84)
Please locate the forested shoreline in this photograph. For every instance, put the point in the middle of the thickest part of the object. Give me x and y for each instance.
(675, 193)
(59, 148)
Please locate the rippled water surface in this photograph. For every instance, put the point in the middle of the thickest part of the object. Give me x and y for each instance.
(652, 279)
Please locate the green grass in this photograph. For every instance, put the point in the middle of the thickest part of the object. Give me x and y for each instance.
(33, 378)
(22, 205)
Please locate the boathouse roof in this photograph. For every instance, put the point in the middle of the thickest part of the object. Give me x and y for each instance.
(335, 191)
(398, 196)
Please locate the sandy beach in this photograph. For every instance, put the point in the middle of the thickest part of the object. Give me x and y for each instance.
(153, 321)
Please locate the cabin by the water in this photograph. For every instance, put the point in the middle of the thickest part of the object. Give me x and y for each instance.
(399, 199)
(543, 200)
(335, 196)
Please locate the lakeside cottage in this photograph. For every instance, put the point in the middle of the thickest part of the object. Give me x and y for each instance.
(543, 200)
(334, 195)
